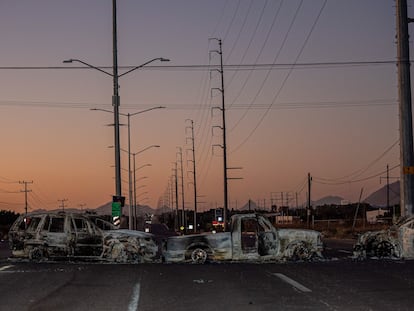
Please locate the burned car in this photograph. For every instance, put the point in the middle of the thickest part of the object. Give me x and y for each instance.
(45, 235)
(252, 237)
(395, 242)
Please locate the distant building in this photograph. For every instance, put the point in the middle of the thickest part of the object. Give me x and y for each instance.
(372, 216)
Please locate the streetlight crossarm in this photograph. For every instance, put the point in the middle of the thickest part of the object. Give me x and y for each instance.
(68, 61)
(144, 64)
(149, 109)
(152, 146)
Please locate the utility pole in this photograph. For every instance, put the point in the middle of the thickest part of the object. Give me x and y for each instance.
(308, 212)
(176, 195)
(172, 193)
(388, 193)
(115, 103)
(194, 174)
(388, 188)
(25, 183)
(296, 200)
(180, 153)
(62, 203)
(404, 97)
(224, 146)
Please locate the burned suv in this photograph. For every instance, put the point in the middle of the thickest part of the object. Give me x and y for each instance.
(47, 235)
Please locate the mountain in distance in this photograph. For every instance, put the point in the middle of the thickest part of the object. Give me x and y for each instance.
(379, 197)
(329, 200)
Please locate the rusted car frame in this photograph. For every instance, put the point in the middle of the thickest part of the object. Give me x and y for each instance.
(251, 238)
(395, 242)
(45, 235)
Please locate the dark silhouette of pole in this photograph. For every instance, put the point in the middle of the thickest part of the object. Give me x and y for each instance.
(182, 187)
(223, 111)
(388, 187)
(194, 175)
(176, 194)
(115, 103)
(62, 203)
(25, 193)
(404, 96)
(115, 96)
(308, 211)
(224, 146)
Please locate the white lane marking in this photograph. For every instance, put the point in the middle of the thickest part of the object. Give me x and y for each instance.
(133, 304)
(5, 268)
(292, 282)
(344, 251)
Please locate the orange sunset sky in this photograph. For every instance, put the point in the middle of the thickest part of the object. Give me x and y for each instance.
(327, 106)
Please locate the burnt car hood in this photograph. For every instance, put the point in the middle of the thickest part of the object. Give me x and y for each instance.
(126, 232)
(129, 246)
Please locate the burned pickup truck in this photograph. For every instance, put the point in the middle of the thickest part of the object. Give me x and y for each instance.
(396, 242)
(251, 238)
(44, 235)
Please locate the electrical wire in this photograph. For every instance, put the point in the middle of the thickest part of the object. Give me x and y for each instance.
(239, 33)
(227, 67)
(284, 81)
(275, 59)
(232, 20)
(361, 171)
(320, 181)
(258, 55)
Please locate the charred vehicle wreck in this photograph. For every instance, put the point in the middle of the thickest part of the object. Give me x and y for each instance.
(395, 242)
(44, 235)
(252, 237)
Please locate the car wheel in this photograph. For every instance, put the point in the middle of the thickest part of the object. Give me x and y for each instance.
(199, 256)
(384, 249)
(36, 254)
(299, 251)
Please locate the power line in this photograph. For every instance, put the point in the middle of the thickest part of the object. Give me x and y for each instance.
(259, 54)
(284, 81)
(229, 67)
(319, 180)
(275, 59)
(359, 172)
(232, 20)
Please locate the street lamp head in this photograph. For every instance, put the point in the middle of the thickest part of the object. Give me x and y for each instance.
(164, 59)
(68, 61)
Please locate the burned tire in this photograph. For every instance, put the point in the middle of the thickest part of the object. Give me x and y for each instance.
(36, 254)
(299, 251)
(199, 256)
(384, 249)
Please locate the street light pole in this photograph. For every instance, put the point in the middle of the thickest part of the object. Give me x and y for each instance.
(135, 183)
(115, 103)
(115, 96)
(129, 115)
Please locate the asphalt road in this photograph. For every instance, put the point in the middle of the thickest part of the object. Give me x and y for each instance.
(337, 283)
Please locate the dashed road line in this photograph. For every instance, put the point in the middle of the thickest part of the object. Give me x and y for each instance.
(5, 267)
(133, 304)
(292, 282)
